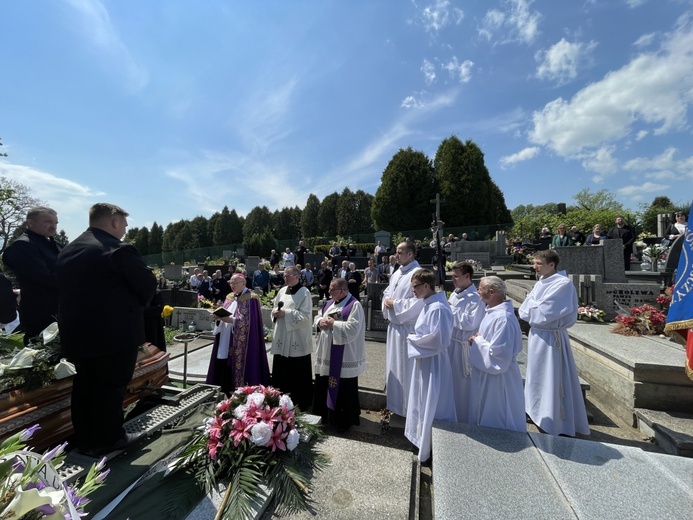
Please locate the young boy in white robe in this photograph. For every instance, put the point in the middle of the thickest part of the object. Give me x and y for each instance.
(467, 313)
(496, 398)
(430, 394)
(553, 395)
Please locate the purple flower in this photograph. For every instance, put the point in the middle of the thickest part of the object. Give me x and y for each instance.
(55, 452)
(26, 434)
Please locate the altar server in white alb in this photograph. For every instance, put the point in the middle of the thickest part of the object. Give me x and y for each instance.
(553, 396)
(430, 393)
(340, 357)
(401, 308)
(467, 313)
(496, 398)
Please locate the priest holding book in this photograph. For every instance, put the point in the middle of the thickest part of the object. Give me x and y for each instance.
(239, 357)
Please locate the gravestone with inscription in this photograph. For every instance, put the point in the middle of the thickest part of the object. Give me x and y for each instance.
(173, 272)
(202, 318)
(376, 321)
(599, 277)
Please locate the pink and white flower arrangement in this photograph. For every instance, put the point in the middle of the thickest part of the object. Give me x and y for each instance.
(256, 437)
(590, 313)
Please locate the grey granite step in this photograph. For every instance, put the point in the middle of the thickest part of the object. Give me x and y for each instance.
(481, 472)
(673, 431)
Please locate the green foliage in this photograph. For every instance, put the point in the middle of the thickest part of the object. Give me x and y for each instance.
(61, 238)
(142, 241)
(286, 224)
(259, 244)
(327, 215)
(200, 233)
(42, 371)
(660, 205)
(407, 185)
(310, 217)
(258, 220)
(346, 209)
(463, 176)
(528, 220)
(156, 239)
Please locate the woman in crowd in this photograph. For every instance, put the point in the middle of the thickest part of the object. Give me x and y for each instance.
(595, 237)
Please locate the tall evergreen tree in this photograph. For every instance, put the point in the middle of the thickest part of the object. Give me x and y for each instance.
(309, 217)
(61, 238)
(200, 236)
(407, 185)
(185, 238)
(156, 239)
(465, 183)
(236, 227)
(170, 238)
(346, 211)
(222, 233)
(327, 216)
(142, 241)
(363, 223)
(258, 220)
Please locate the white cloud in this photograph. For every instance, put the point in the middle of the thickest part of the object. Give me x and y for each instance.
(560, 62)
(645, 40)
(635, 3)
(411, 102)
(103, 36)
(635, 191)
(429, 72)
(522, 155)
(70, 199)
(438, 15)
(600, 161)
(653, 89)
(518, 23)
(461, 70)
(664, 161)
(641, 135)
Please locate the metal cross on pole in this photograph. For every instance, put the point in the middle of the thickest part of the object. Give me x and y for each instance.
(435, 229)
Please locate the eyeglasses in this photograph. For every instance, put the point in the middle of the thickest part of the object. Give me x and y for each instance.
(335, 289)
(414, 286)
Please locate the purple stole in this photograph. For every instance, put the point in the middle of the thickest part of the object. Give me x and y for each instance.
(336, 354)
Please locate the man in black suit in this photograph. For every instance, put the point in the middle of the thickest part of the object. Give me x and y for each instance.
(625, 233)
(31, 258)
(324, 280)
(102, 342)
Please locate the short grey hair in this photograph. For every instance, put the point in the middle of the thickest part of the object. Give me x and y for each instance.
(495, 283)
(37, 211)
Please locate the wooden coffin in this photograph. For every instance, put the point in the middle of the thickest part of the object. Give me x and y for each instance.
(50, 406)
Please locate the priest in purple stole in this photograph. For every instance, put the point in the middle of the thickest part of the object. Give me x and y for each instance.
(239, 356)
(340, 357)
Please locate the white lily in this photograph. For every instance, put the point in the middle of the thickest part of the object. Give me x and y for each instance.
(50, 333)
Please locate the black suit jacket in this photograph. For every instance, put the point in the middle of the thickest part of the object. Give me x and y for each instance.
(98, 266)
(324, 277)
(32, 259)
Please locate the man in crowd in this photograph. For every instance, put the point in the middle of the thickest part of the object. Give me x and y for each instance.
(467, 313)
(495, 397)
(324, 280)
(103, 342)
(342, 271)
(384, 269)
(308, 276)
(431, 380)
(32, 258)
(334, 252)
(300, 253)
(354, 280)
(292, 344)
(239, 357)
(220, 286)
(577, 236)
(370, 275)
(261, 278)
(289, 258)
(194, 279)
(379, 248)
(340, 357)
(553, 395)
(625, 233)
(401, 307)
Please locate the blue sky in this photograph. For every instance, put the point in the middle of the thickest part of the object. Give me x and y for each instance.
(173, 109)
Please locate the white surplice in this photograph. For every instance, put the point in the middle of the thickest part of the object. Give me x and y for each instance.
(467, 313)
(350, 332)
(553, 395)
(402, 317)
(431, 392)
(496, 398)
(292, 335)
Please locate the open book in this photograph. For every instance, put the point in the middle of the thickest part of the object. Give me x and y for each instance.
(220, 312)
